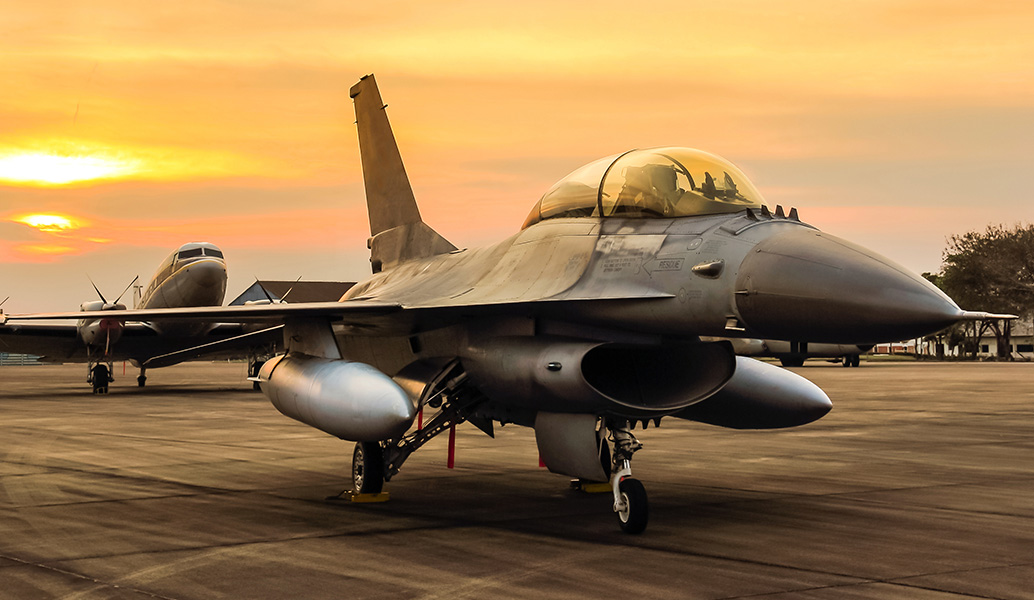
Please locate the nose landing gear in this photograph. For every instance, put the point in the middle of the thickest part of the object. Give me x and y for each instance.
(630, 501)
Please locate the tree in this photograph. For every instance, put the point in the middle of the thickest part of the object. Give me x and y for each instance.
(991, 271)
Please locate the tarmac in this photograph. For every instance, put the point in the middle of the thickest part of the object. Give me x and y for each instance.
(919, 484)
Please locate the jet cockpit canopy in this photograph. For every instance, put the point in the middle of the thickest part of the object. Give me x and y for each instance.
(656, 183)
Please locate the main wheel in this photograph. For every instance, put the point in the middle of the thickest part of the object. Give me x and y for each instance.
(847, 360)
(367, 468)
(856, 360)
(141, 381)
(792, 362)
(637, 508)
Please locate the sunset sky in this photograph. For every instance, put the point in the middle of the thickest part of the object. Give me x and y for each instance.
(144, 125)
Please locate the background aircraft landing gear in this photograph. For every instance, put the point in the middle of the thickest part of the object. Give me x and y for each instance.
(630, 502)
(141, 380)
(254, 366)
(367, 468)
(100, 377)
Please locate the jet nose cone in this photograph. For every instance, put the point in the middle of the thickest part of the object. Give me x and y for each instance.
(808, 285)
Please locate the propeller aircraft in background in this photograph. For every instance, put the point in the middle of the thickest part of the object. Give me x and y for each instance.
(194, 275)
(583, 324)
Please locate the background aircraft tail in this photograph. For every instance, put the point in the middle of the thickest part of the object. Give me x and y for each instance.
(397, 232)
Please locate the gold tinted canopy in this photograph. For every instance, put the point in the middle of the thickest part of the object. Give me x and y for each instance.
(656, 183)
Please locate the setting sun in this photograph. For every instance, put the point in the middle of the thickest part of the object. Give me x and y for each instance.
(52, 169)
(48, 223)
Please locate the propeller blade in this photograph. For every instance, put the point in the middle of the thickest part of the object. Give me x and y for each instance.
(261, 287)
(103, 299)
(290, 289)
(127, 289)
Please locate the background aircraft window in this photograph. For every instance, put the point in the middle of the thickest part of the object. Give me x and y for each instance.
(213, 252)
(191, 253)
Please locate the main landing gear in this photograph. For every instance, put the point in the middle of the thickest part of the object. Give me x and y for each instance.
(852, 360)
(630, 502)
(374, 463)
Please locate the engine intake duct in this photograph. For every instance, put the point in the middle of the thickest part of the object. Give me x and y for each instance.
(631, 380)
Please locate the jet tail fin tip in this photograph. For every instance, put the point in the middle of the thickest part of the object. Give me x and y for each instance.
(397, 231)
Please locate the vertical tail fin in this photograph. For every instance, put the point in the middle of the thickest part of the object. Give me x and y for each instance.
(397, 232)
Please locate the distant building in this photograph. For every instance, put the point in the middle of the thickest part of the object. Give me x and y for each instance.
(296, 291)
(8, 360)
(1021, 342)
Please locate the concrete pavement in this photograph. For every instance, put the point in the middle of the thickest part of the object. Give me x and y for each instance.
(919, 484)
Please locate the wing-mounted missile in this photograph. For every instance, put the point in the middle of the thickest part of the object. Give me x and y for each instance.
(634, 381)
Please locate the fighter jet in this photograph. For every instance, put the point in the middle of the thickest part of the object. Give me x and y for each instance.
(793, 354)
(193, 275)
(584, 323)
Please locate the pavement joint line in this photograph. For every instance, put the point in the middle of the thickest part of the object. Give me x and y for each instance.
(851, 585)
(45, 567)
(254, 543)
(108, 475)
(165, 440)
(903, 581)
(935, 589)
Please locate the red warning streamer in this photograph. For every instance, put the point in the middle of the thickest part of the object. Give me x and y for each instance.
(452, 448)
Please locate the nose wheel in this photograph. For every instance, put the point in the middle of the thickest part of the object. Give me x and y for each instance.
(634, 509)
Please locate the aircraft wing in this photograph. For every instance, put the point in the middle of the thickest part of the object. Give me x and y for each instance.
(56, 342)
(59, 342)
(361, 316)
